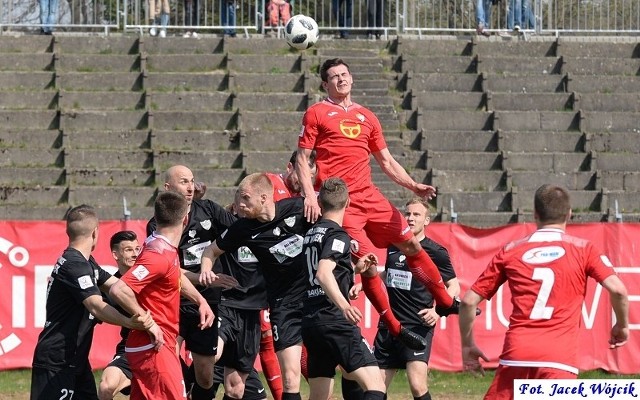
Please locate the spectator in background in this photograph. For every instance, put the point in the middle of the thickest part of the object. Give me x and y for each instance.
(279, 12)
(191, 17)
(159, 15)
(547, 273)
(520, 15)
(483, 17)
(343, 17)
(48, 16)
(375, 12)
(228, 16)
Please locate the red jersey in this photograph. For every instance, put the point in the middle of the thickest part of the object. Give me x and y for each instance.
(280, 189)
(547, 273)
(155, 278)
(343, 139)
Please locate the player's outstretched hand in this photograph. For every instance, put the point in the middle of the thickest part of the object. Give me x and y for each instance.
(206, 316)
(619, 336)
(471, 356)
(355, 290)
(224, 281)
(352, 314)
(311, 209)
(425, 191)
(157, 338)
(365, 262)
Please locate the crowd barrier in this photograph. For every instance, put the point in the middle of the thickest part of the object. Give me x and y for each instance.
(28, 251)
(383, 16)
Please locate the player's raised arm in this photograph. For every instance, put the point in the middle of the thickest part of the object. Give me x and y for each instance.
(311, 207)
(399, 175)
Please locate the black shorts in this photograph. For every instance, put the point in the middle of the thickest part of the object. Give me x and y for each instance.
(338, 344)
(120, 361)
(392, 354)
(47, 384)
(240, 332)
(203, 342)
(286, 325)
(253, 387)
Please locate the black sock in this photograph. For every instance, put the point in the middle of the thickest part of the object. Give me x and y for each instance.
(200, 393)
(426, 396)
(291, 396)
(374, 395)
(351, 390)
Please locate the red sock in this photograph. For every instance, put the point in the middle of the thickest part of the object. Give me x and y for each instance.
(303, 364)
(423, 268)
(270, 367)
(377, 294)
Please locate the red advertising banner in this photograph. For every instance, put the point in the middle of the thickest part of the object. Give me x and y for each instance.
(28, 251)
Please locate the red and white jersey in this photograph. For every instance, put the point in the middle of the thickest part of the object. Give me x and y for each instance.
(155, 278)
(343, 139)
(547, 273)
(280, 189)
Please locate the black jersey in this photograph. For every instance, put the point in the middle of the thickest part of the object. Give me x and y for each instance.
(407, 295)
(326, 240)
(277, 245)
(68, 331)
(207, 220)
(251, 293)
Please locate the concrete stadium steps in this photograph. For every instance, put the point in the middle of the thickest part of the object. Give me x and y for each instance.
(451, 101)
(471, 161)
(287, 138)
(27, 138)
(261, 83)
(193, 140)
(26, 176)
(110, 176)
(265, 45)
(616, 162)
(271, 101)
(443, 82)
(108, 196)
(602, 66)
(92, 45)
(218, 177)
(530, 101)
(581, 200)
(31, 100)
(536, 66)
(267, 121)
(436, 64)
(29, 119)
(435, 45)
(221, 195)
(29, 196)
(541, 141)
(103, 81)
(18, 45)
(594, 121)
(611, 142)
(97, 63)
(194, 120)
(86, 120)
(198, 159)
(192, 63)
(266, 63)
(27, 81)
(538, 47)
(517, 83)
(607, 102)
(485, 219)
(537, 121)
(475, 201)
(108, 158)
(593, 47)
(466, 180)
(192, 82)
(176, 45)
(36, 212)
(459, 141)
(460, 121)
(112, 101)
(557, 162)
(603, 84)
(532, 180)
(190, 101)
(108, 139)
(26, 62)
(257, 161)
(619, 180)
(627, 201)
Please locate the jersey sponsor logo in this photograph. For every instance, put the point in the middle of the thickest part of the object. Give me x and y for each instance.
(399, 279)
(290, 221)
(350, 129)
(193, 254)
(254, 236)
(543, 255)
(245, 255)
(416, 353)
(288, 248)
(206, 224)
(338, 246)
(260, 390)
(140, 272)
(85, 281)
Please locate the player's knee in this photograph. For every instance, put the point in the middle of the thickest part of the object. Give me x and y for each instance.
(291, 381)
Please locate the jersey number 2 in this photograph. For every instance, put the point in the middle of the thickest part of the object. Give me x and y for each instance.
(547, 278)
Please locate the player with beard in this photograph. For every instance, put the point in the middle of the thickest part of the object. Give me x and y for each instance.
(273, 232)
(207, 220)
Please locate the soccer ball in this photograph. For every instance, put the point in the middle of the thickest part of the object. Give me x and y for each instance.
(301, 32)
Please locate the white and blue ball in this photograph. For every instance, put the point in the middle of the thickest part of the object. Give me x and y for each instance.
(301, 32)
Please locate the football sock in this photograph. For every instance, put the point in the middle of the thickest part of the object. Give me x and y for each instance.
(291, 396)
(374, 395)
(304, 371)
(426, 396)
(423, 268)
(270, 367)
(351, 390)
(377, 294)
(200, 393)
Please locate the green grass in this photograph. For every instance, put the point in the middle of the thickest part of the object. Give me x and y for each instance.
(14, 384)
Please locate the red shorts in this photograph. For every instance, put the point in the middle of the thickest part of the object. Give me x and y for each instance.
(156, 375)
(374, 223)
(265, 325)
(502, 386)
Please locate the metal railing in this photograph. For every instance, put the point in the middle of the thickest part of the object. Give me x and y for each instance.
(396, 16)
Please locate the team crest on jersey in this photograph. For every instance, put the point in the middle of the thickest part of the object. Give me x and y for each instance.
(206, 224)
(192, 233)
(290, 221)
(402, 258)
(276, 231)
(360, 117)
(350, 129)
(543, 255)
